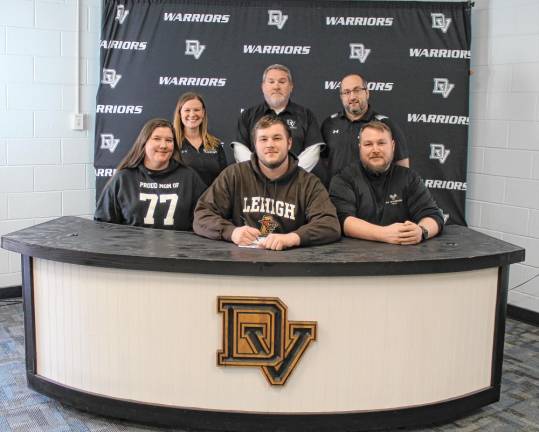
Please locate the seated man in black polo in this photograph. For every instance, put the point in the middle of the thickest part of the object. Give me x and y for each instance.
(381, 201)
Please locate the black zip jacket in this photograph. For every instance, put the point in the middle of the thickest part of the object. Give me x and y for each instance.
(396, 195)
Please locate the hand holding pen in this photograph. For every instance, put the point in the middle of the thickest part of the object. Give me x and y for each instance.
(245, 235)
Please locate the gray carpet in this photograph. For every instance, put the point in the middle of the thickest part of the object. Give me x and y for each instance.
(23, 410)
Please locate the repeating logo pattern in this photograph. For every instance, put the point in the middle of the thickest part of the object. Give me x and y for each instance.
(256, 332)
(411, 71)
(108, 142)
(440, 22)
(121, 13)
(110, 77)
(439, 152)
(277, 18)
(359, 52)
(194, 48)
(443, 87)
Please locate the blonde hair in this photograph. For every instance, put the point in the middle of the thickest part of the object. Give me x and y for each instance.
(209, 141)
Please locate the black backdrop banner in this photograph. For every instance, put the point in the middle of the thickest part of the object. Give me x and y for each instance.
(415, 55)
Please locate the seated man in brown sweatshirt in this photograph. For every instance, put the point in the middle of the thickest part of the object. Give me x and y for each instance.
(268, 200)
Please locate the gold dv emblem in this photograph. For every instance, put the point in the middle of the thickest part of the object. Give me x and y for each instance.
(256, 332)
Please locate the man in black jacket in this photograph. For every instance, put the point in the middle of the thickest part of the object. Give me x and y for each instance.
(381, 201)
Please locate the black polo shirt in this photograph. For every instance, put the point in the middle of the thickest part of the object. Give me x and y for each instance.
(300, 120)
(207, 163)
(342, 137)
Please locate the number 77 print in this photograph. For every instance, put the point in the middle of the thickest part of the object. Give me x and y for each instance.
(153, 198)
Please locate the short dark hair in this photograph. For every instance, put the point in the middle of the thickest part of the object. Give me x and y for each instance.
(268, 121)
(377, 125)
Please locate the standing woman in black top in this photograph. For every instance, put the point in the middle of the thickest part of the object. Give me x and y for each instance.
(199, 149)
(151, 187)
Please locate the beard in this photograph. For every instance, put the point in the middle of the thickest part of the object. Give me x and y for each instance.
(273, 165)
(375, 169)
(378, 169)
(276, 100)
(359, 110)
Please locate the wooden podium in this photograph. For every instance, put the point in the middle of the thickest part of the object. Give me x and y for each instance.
(129, 322)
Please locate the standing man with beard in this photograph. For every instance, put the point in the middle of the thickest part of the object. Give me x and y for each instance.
(268, 201)
(340, 131)
(381, 201)
(277, 86)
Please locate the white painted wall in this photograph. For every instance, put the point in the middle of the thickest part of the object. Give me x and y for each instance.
(503, 167)
(46, 168)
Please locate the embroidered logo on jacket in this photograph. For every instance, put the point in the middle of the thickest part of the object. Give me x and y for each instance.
(394, 199)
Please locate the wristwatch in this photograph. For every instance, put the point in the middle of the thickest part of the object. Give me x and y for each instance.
(424, 233)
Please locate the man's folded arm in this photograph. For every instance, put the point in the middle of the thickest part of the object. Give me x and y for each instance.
(359, 228)
(343, 196)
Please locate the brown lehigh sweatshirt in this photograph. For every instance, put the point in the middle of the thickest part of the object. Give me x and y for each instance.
(242, 195)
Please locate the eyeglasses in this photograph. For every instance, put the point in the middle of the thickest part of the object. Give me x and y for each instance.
(355, 91)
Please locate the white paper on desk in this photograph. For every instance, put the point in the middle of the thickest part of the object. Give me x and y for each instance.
(255, 244)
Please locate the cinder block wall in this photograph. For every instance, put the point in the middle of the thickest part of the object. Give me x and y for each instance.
(45, 167)
(503, 167)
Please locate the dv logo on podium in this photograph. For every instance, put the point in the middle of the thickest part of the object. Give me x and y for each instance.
(256, 332)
